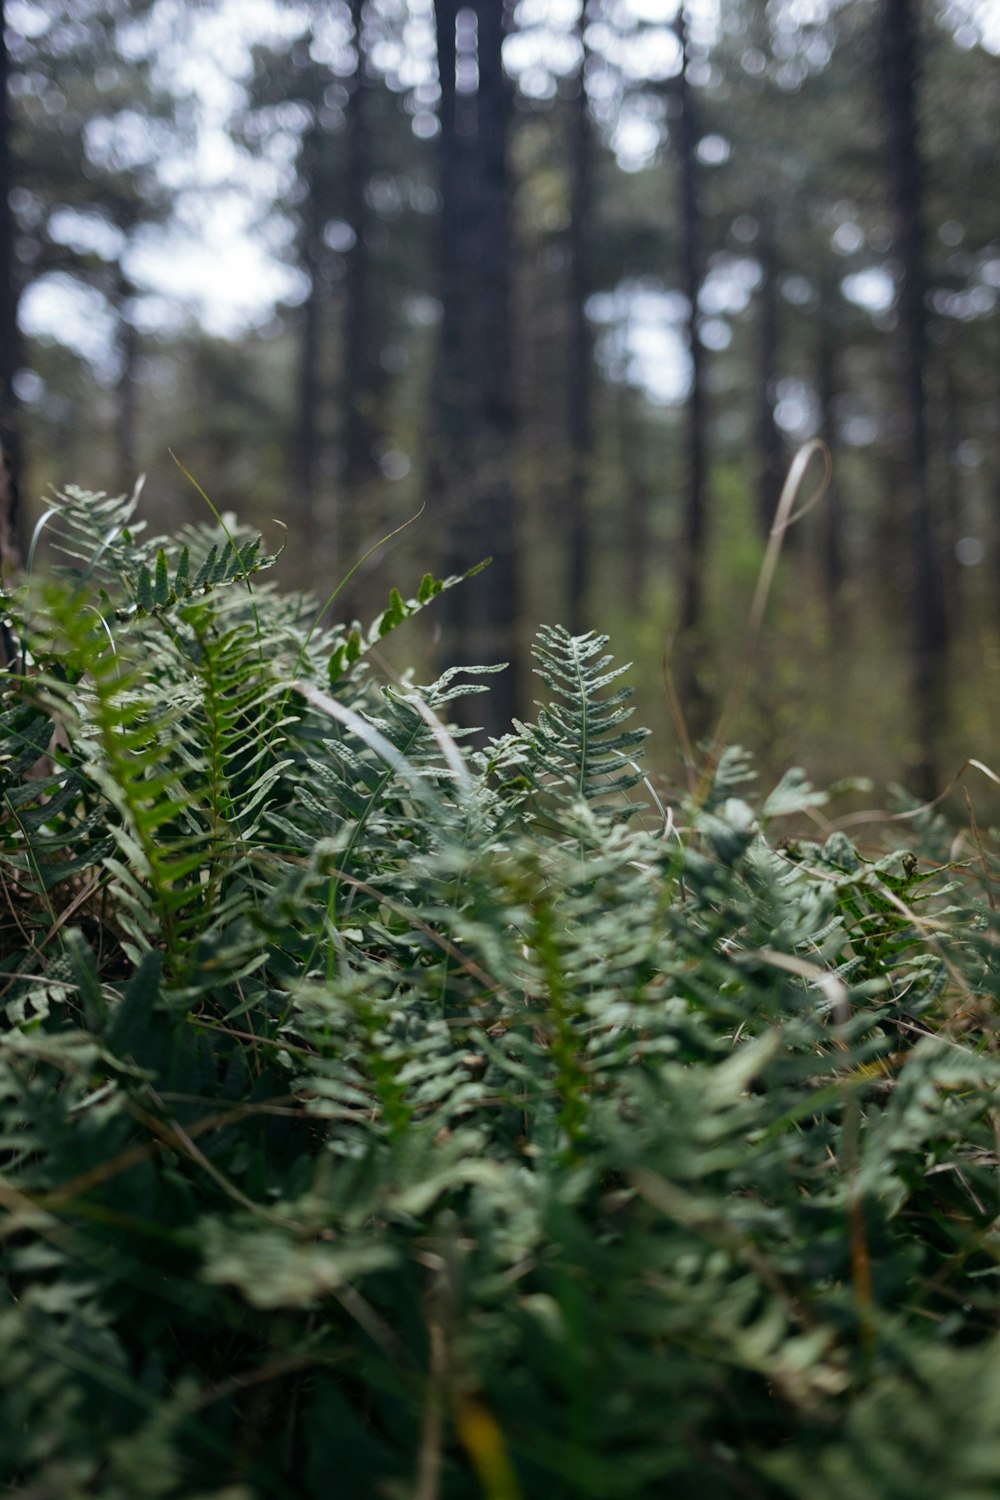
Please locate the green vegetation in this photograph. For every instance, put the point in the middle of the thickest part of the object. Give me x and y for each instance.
(387, 1116)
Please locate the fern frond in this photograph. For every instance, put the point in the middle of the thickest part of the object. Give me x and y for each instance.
(579, 740)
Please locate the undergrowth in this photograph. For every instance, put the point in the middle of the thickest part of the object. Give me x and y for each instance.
(387, 1116)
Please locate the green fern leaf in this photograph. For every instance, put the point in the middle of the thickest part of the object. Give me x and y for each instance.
(161, 588)
(144, 590)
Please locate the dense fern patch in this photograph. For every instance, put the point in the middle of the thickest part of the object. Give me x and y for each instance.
(384, 1116)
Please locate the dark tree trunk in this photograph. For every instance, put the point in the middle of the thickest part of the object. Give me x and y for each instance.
(496, 603)
(770, 458)
(126, 423)
(305, 442)
(127, 406)
(451, 401)
(11, 455)
(469, 479)
(580, 375)
(832, 531)
(951, 493)
(898, 49)
(637, 528)
(448, 466)
(993, 535)
(693, 528)
(356, 430)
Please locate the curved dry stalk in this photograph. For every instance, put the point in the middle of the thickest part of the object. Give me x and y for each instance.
(786, 516)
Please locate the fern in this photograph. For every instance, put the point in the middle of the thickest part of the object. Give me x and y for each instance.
(579, 739)
(376, 1104)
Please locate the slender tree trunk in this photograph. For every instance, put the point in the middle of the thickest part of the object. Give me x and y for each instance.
(833, 564)
(951, 493)
(637, 529)
(450, 396)
(127, 413)
(356, 381)
(305, 441)
(497, 608)
(580, 376)
(898, 56)
(448, 462)
(126, 391)
(769, 448)
(993, 535)
(469, 479)
(690, 647)
(11, 454)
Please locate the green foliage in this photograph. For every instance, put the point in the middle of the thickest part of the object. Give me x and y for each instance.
(378, 1106)
(398, 609)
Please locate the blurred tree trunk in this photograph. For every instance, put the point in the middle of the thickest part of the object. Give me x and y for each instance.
(356, 440)
(451, 386)
(126, 422)
(687, 669)
(448, 464)
(953, 526)
(993, 493)
(11, 455)
(638, 537)
(580, 382)
(898, 58)
(471, 479)
(305, 450)
(832, 532)
(495, 599)
(127, 404)
(770, 457)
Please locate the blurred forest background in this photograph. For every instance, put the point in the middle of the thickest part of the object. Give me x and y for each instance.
(577, 278)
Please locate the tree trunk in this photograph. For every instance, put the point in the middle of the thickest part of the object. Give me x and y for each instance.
(770, 458)
(952, 528)
(305, 441)
(469, 479)
(11, 454)
(580, 375)
(833, 566)
(450, 385)
(127, 414)
(637, 528)
(687, 668)
(126, 392)
(448, 466)
(356, 439)
(993, 494)
(495, 600)
(898, 44)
